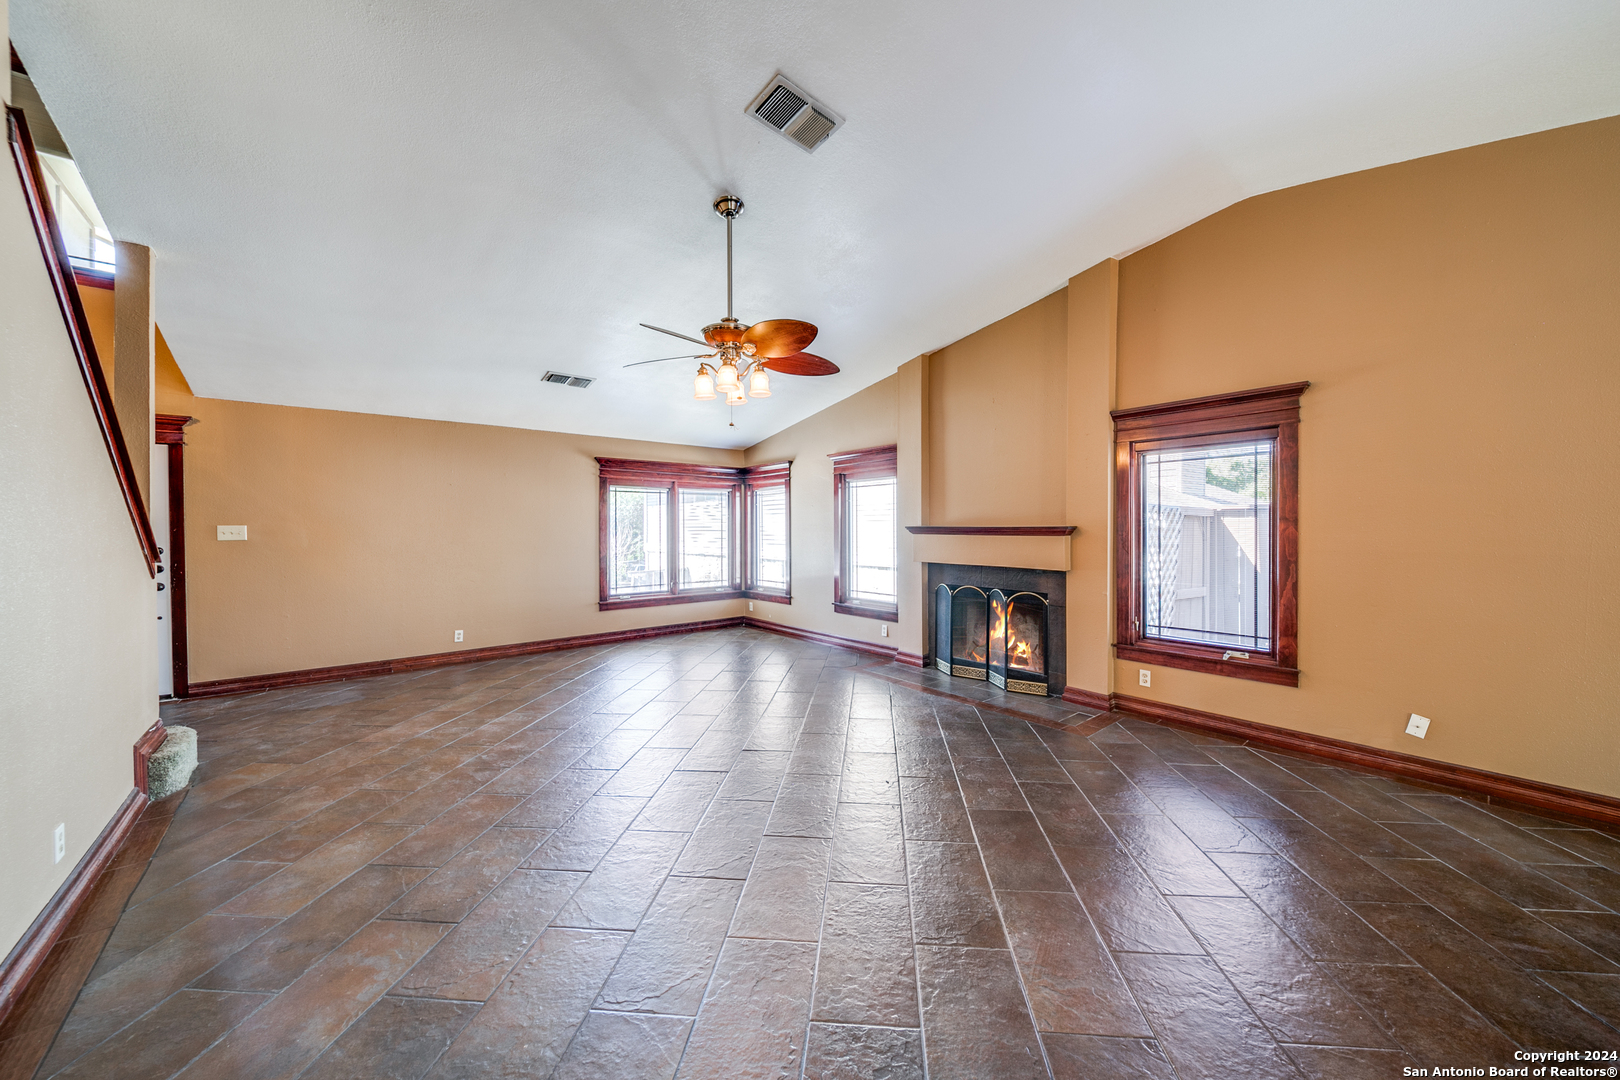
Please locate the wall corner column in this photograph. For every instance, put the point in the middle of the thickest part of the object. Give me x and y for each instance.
(1093, 356)
(915, 481)
(134, 360)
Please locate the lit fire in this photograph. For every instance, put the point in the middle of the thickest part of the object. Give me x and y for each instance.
(1018, 652)
(1021, 636)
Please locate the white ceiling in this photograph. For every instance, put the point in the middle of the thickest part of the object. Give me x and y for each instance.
(417, 208)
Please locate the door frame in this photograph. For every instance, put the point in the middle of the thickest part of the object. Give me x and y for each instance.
(171, 433)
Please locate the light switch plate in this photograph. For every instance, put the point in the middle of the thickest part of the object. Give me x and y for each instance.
(1418, 725)
(231, 532)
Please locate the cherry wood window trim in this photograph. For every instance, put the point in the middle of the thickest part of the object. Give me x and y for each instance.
(755, 477)
(65, 285)
(674, 476)
(874, 461)
(1269, 413)
(991, 530)
(171, 433)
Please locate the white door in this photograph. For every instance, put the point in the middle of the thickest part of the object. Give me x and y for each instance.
(159, 513)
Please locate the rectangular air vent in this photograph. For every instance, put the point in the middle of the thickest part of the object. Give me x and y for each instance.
(794, 114)
(565, 380)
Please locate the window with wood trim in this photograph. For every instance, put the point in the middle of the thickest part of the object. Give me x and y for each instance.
(768, 539)
(672, 533)
(1208, 534)
(866, 530)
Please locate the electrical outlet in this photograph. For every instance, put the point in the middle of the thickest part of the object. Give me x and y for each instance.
(750, 605)
(230, 532)
(1144, 676)
(884, 629)
(61, 841)
(458, 635)
(1418, 725)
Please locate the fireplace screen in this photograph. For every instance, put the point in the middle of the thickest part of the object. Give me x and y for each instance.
(1018, 624)
(961, 631)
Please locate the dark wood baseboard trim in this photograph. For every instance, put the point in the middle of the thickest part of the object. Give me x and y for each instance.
(909, 659)
(1087, 699)
(145, 747)
(887, 652)
(252, 684)
(1493, 787)
(25, 958)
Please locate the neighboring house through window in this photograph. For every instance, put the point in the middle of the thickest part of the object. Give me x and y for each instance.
(1208, 541)
(866, 528)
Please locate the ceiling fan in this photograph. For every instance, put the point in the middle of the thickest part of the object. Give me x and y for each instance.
(741, 351)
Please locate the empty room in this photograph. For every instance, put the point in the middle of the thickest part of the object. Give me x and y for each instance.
(1127, 588)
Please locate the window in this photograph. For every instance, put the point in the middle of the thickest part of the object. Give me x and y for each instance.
(765, 495)
(866, 513)
(674, 533)
(1208, 539)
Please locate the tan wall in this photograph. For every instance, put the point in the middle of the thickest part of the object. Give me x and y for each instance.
(375, 537)
(1459, 467)
(861, 420)
(998, 421)
(77, 636)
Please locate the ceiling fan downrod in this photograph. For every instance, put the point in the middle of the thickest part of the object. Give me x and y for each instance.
(728, 207)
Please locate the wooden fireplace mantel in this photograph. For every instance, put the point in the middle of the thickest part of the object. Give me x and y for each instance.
(991, 530)
(1033, 547)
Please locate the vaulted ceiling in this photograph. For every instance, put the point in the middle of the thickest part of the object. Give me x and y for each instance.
(419, 208)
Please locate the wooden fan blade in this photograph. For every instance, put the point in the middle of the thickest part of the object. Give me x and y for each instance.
(779, 337)
(802, 364)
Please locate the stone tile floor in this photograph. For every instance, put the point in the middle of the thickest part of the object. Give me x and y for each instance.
(731, 854)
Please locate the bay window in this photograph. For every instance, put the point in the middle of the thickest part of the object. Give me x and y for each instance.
(674, 533)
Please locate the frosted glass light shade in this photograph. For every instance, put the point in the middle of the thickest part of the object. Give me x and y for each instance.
(725, 377)
(703, 386)
(759, 383)
(735, 396)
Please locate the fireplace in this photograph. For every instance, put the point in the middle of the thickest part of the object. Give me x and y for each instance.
(962, 631)
(1018, 646)
(1003, 625)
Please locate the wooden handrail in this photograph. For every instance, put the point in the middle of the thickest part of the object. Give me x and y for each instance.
(78, 328)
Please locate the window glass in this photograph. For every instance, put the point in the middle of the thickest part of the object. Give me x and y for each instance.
(872, 541)
(770, 547)
(638, 532)
(1206, 544)
(705, 539)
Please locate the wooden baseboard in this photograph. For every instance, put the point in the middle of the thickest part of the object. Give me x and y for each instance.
(25, 958)
(870, 648)
(1087, 699)
(909, 659)
(1494, 787)
(145, 747)
(249, 684)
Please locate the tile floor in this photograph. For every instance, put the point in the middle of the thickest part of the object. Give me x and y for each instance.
(731, 854)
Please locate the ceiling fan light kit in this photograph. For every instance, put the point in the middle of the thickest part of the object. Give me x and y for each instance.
(743, 352)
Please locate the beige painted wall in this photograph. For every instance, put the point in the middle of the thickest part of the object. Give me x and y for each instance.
(998, 421)
(864, 419)
(1459, 467)
(77, 611)
(376, 537)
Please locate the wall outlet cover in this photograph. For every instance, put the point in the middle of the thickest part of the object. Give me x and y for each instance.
(1418, 725)
(231, 532)
(1144, 676)
(59, 841)
(458, 635)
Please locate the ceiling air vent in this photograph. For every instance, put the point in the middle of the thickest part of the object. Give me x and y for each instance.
(565, 380)
(794, 114)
